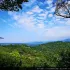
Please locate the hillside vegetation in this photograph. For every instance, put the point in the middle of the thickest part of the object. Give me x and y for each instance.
(54, 54)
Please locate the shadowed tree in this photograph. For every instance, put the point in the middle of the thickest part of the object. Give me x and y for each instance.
(65, 59)
(11, 5)
(63, 8)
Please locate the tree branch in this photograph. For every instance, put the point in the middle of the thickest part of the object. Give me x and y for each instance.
(60, 5)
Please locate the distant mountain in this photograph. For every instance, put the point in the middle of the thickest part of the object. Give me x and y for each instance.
(29, 43)
(66, 40)
(35, 43)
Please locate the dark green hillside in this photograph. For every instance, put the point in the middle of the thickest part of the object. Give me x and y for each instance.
(54, 54)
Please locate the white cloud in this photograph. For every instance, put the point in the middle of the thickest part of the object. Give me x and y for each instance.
(36, 21)
(36, 9)
(68, 22)
(28, 20)
(29, 13)
(50, 15)
(57, 33)
(41, 25)
(44, 14)
(49, 7)
(48, 1)
(68, 2)
(52, 9)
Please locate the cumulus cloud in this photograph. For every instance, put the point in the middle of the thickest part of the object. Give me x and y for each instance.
(41, 25)
(38, 21)
(36, 9)
(57, 33)
(52, 9)
(48, 1)
(50, 15)
(30, 20)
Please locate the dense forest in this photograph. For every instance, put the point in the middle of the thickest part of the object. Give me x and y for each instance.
(54, 54)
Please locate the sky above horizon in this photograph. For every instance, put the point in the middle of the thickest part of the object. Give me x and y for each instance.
(35, 22)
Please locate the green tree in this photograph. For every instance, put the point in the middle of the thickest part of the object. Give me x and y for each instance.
(65, 59)
(9, 59)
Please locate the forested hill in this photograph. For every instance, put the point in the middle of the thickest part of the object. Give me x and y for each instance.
(54, 54)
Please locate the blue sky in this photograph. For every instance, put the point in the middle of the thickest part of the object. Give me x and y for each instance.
(35, 22)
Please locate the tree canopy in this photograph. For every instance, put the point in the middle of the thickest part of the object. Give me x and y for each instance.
(63, 8)
(54, 54)
(11, 5)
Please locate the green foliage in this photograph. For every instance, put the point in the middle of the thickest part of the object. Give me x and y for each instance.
(65, 59)
(11, 5)
(56, 54)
